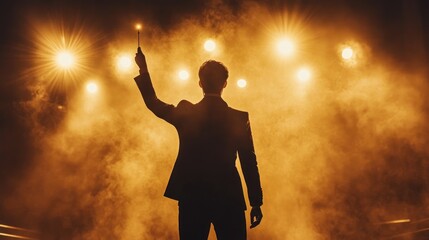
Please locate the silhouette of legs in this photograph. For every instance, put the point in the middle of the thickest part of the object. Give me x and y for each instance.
(229, 224)
(195, 220)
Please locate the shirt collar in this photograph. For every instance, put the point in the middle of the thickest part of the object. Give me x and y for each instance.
(213, 98)
(212, 95)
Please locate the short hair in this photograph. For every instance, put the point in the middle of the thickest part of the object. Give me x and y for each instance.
(213, 75)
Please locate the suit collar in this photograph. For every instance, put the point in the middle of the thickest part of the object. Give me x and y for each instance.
(212, 99)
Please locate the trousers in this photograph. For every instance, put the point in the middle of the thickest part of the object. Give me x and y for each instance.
(195, 220)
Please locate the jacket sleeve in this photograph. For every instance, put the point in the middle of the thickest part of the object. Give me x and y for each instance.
(158, 107)
(249, 165)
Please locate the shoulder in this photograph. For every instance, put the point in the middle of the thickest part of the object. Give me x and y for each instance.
(242, 115)
(185, 104)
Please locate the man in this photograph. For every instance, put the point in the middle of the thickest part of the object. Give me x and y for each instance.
(204, 178)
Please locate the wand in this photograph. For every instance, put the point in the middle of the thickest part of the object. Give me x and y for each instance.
(138, 27)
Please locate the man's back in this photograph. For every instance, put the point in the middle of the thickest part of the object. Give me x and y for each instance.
(204, 179)
(210, 135)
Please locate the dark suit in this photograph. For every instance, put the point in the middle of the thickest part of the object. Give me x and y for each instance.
(211, 134)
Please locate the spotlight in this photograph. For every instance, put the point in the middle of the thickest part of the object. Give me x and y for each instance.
(65, 59)
(242, 83)
(285, 47)
(209, 45)
(347, 53)
(303, 74)
(62, 56)
(91, 87)
(183, 75)
(124, 63)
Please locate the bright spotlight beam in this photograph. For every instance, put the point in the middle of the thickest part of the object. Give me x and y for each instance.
(14, 236)
(241, 83)
(183, 75)
(65, 59)
(124, 63)
(397, 221)
(351, 54)
(303, 74)
(61, 57)
(209, 45)
(91, 87)
(16, 228)
(347, 53)
(285, 47)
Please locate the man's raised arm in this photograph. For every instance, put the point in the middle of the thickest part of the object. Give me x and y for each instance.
(144, 83)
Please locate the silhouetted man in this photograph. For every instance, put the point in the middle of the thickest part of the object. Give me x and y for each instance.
(204, 179)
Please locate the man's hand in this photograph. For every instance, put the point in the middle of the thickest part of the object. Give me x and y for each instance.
(255, 216)
(141, 60)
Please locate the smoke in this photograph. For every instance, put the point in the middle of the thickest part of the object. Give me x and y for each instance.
(338, 155)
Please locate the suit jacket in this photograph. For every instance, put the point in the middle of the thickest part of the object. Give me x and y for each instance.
(210, 134)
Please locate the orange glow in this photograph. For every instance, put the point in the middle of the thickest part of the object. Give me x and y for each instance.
(124, 63)
(183, 75)
(61, 57)
(23, 230)
(303, 74)
(91, 87)
(352, 53)
(398, 221)
(138, 26)
(210, 45)
(329, 139)
(65, 59)
(242, 83)
(14, 236)
(285, 47)
(347, 53)
(15, 228)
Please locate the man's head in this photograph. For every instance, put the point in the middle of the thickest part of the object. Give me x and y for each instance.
(213, 77)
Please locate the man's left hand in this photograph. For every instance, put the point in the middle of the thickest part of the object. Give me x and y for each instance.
(255, 216)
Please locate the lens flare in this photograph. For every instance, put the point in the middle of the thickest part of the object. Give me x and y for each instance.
(285, 47)
(124, 63)
(65, 59)
(397, 221)
(183, 75)
(14, 236)
(91, 87)
(60, 56)
(303, 74)
(241, 83)
(23, 233)
(352, 53)
(209, 45)
(347, 53)
(15, 228)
